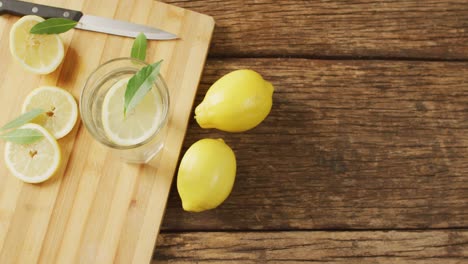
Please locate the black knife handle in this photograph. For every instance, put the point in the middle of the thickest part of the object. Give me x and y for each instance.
(21, 8)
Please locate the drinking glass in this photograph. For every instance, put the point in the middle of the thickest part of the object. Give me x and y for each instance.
(91, 104)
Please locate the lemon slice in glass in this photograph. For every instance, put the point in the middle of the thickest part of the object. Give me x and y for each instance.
(34, 162)
(139, 124)
(40, 54)
(60, 106)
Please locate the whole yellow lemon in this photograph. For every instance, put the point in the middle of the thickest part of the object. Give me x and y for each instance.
(237, 102)
(206, 175)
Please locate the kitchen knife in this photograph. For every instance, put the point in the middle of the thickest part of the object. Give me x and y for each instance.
(85, 22)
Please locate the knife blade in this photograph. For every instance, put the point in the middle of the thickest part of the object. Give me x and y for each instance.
(85, 22)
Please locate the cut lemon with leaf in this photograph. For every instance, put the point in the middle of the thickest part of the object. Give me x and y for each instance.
(137, 125)
(60, 109)
(35, 162)
(41, 54)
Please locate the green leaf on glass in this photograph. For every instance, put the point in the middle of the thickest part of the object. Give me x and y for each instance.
(139, 85)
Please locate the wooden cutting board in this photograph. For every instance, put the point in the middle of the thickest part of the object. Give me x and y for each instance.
(98, 209)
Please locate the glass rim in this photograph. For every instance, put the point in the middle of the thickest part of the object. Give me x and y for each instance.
(162, 87)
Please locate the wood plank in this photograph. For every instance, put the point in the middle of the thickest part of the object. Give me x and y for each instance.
(428, 247)
(348, 144)
(431, 29)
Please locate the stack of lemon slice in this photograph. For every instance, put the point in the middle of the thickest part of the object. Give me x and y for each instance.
(39, 161)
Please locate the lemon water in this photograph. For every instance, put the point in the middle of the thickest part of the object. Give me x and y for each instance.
(100, 94)
(137, 136)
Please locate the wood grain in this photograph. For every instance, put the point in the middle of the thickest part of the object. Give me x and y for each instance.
(348, 145)
(98, 209)
(414, 29)
(421, 247)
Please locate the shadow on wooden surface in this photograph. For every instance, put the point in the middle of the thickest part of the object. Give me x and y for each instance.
(348, 145)
(429, 29)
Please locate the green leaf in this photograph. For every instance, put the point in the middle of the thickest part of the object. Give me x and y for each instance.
(22, 136)
(139, 85)
(53, 26)
(22, 119)
(139, 47)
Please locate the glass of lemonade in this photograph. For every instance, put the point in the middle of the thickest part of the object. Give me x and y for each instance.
(138, 136)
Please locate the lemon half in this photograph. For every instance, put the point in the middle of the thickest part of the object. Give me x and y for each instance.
(37, 53)
(139, 124)
(60, 106)
(34, 162)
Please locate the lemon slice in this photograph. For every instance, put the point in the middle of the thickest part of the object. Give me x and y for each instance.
(60, 106)
(141, 122)
(40, 54)
(34, 162)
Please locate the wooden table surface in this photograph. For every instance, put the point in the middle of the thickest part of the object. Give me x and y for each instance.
(364, 157)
